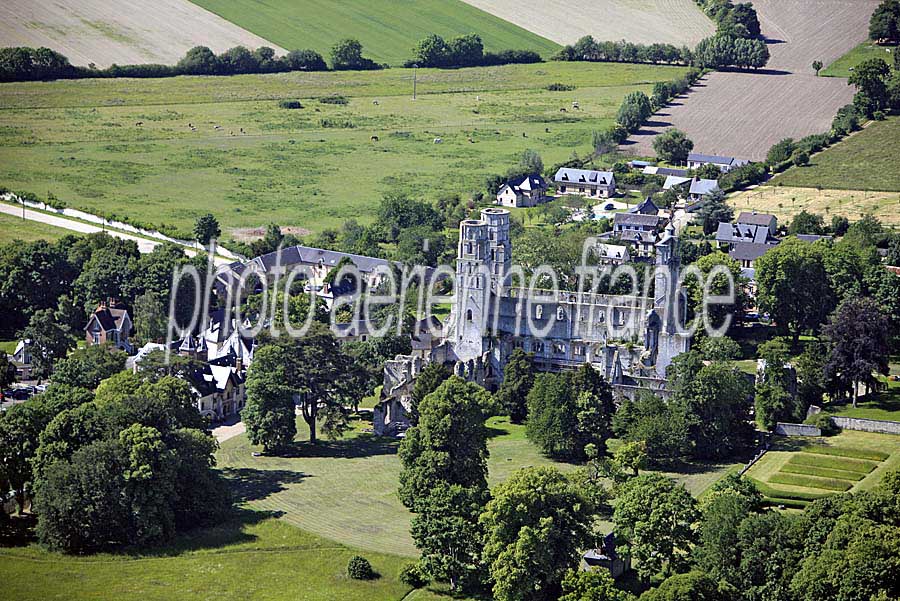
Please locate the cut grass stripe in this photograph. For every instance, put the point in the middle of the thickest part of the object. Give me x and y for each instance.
(811, 482)
(846, 452)
(778, 493)
(823, 472)
(860, 466)
(795, 503)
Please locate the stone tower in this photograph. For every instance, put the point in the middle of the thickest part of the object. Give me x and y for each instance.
(669, 302)
(497, 221)
(474, 280)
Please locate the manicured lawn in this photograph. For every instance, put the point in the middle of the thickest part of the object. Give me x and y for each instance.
(798, 470)
(388, 31)
(255, 557)
(303, 168)
(842, 66)
(347, 490)
(15, 228)
(9, 346)
(860, 162)
(883, 405)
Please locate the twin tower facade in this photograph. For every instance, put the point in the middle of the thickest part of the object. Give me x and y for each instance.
(497, 308)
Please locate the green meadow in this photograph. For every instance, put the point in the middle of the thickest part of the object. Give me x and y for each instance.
(164, 151)
(843, 66)
(859, 162)
(388, 30)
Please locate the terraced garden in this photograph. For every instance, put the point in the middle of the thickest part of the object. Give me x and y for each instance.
(797, 471)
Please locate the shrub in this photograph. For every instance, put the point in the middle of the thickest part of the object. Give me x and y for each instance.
(412, 575)
(823, 422)
(810, 482)
(359, 568)
(560, 87)
(334, 99)
(878, 115)
(290, 104)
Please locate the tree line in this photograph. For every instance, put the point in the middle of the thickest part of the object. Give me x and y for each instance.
(521, 540)
(41, 64)
(110, 458)
(464, 51)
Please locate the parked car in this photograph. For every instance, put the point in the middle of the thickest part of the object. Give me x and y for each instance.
(21, 394)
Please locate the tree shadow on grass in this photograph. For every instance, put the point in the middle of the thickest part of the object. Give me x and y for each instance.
(363, 445)
(230, 532)
(248, 484)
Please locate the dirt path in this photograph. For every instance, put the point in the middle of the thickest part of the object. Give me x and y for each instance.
(124, 32)
(743, 114)
(145, 245)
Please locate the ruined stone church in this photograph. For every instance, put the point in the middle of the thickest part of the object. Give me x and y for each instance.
(630, 339)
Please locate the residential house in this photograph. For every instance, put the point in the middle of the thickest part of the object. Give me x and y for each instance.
(666, 171)
(607, 557)
(109, 323)
(724, 164)
(645, 207)
(596, 184)
(759, 219)
(219, 388)
(636, 230)
(698, 190)
(21, 358)
(527, 191)
(611, 254)
(745, 242)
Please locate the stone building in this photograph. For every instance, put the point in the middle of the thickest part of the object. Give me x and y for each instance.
(631, 340)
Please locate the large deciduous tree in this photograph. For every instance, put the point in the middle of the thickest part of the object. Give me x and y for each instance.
(206, 228)
(535, 526)
(672, 146)
(429, 379)
(518, 378)
(443, 479)
(655, 518)
(858, 337)
(269, 413)
(794, 287)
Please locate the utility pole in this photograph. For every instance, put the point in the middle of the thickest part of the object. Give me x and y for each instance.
(415, 72)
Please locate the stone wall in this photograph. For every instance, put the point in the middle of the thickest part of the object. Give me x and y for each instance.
(784, 429)
(867, 425)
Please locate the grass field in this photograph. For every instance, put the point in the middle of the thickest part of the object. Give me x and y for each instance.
(347, 491)
(388, 31)
(80, 139)
(256, 557)
(860, 162)
(14, 228)
(784, 202)
(884, 405)
(798, 470)
(842, 67)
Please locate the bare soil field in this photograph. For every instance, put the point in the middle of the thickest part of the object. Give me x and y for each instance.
(785, 202)
(124, 32)
(645, 21)
(743, 114)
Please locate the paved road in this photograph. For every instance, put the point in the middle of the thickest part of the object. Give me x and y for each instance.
(145, 245)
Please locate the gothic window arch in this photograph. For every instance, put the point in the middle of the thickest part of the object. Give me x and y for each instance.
(538, 311)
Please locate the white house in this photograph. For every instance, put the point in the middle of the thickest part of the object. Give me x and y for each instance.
(528, 191)
(597, 184)
(724, 164)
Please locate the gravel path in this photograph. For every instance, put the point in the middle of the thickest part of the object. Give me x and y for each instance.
(743, 114)
(145, 245)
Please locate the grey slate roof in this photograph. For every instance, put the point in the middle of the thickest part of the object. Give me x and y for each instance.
(667, 171)
(636, 220)
(742, 233)
(812, 237)
(748, 251)
(584, 176)
(704, 186)
(646, 207)
(754, 218)
(528, 182)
